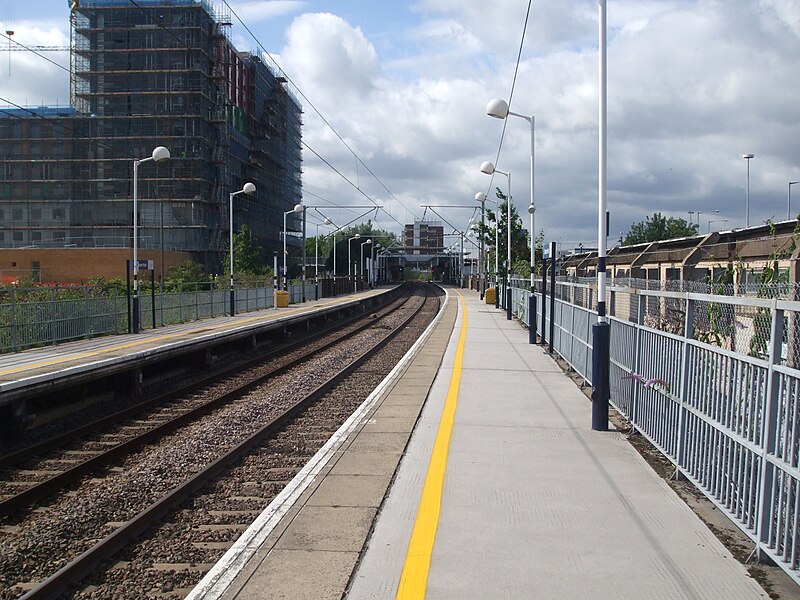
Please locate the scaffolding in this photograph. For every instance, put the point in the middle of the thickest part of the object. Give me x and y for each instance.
(158, 72)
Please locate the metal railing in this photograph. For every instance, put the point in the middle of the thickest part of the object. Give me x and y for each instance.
(713, 382)
(31, 317)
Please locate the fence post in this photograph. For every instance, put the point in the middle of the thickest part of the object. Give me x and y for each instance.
(196, 302)
(769, 431)
(53, 326)
(13, 319)
(88, 328)
(683, 388)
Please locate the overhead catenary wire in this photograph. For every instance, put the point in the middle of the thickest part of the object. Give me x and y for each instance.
(511, 95)
(316, 110)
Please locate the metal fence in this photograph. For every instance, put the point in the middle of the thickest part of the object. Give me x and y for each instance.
(32, 317)
(712, 381)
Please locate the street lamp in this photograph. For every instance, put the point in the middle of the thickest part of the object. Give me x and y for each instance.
(160, 153)
(747, 157)
(481, 197)
(349, 259)
(789, 204)
(716, 221)
(327, 221)
(489, 169)
(373, 253)
(601, 331)
(361, 264)
(298, 208)
(249, 189)
(498, 109)
(700, 212)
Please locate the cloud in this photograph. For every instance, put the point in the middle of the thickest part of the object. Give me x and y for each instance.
(259, 10)
(692, 85)
(30, 79)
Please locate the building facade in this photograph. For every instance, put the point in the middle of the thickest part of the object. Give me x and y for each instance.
(423, 237)
(153, 73)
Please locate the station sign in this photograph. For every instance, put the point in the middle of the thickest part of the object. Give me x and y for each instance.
(144, 265)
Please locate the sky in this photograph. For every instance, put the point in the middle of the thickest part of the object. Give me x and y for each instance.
(692, 86)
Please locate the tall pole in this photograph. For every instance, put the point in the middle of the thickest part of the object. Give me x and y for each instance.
(285, 285)
(482, 267)
(230, 250)
(789, 203)
(135, 316)
(601, 330)
(508, 234)
(304, 255)
(747, 157)
(532, 208)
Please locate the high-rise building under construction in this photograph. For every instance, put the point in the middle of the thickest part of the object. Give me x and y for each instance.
(145, 74)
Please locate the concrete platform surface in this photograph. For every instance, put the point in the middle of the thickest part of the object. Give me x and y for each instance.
(534, 504)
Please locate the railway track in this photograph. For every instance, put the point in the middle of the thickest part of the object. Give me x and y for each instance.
(286, 427)
(27, 478)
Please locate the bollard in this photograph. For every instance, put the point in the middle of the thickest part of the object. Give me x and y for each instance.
(601, 391)
(532, 318)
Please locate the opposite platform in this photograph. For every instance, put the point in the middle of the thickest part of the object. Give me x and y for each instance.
(44, 365)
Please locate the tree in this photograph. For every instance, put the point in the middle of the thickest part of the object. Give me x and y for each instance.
(247, 265)
(186, 272)
(658, 227)
(520, 247)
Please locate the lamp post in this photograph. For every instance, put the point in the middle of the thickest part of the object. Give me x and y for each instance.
(373, 253)
(249, 188)
(327, 221)
(160, 153)
(715, 221)
(747, 157)
(701, 212)
(789, 203)
(498, 109)
(601, 334)
(481, 197)
(361, 263)
(298, 208)
(488, 168)
(349, 259)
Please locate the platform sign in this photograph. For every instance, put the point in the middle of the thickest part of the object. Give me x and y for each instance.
(144, 265)
(546, 250)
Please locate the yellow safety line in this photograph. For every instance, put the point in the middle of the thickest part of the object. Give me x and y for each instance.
(414, 579)
(140, 342)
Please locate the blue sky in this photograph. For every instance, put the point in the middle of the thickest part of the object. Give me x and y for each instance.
(693, 85)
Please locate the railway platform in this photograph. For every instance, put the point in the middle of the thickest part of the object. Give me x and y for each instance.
(124, 362)
(472, 472)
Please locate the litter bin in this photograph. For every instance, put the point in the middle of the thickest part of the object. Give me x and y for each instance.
(488, 295)
(282, 299)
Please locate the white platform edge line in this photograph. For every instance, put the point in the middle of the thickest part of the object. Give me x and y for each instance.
(222, 575)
